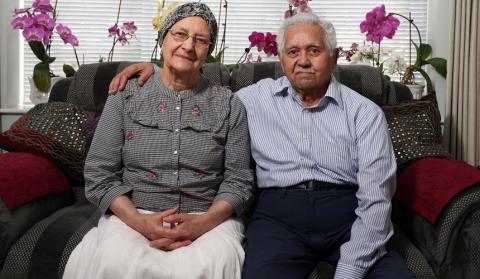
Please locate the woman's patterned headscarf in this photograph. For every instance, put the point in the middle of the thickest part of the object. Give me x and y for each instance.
(188, 10)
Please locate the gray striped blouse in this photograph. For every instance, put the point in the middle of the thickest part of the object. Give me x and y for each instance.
(165, 149)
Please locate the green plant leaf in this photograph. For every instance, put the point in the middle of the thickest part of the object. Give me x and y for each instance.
(439, 64)
(425, 51)
(380, 67)
(216, 58)
(68, 70)
(39, 50)
(41, 76)
(212, 59)
(427, 80)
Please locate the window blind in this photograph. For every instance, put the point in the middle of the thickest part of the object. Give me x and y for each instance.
(90, 19)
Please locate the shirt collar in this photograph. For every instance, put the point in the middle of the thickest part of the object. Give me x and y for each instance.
(333, 93)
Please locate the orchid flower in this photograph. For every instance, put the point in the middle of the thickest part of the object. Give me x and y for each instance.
(378, 25)
(38, 23)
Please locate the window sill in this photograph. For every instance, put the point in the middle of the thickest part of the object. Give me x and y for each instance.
(19, 110)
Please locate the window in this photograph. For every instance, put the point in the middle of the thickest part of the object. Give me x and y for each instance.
(90, 19)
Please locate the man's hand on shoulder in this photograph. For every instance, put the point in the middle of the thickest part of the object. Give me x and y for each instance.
(142, 70)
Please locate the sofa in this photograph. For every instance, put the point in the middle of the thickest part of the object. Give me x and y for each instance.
(38, 236)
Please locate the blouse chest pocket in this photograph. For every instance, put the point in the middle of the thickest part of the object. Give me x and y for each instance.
(207, 127)
(147, 137)
(203, 142)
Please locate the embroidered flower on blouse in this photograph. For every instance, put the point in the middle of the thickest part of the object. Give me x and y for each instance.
(129, 135)
(152, 175)
(195, 110)
(216, 87)
(198, 173)
(162, 107)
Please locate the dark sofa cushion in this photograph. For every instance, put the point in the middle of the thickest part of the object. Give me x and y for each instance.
(53, 131)
(415, 130)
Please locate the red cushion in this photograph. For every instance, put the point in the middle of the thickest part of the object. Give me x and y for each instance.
(25, 177)
(427, 185)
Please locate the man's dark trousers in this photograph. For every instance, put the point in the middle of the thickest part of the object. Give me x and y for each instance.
(291, 230)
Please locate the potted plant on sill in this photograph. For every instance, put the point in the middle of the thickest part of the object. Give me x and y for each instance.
(379, 24)
(423, 52)
(38, 23)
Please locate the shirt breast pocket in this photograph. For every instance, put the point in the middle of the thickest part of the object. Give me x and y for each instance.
(147, 143)
(205, 140)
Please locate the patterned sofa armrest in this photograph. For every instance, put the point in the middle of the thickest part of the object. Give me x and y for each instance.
(15, 222)
(451, 245)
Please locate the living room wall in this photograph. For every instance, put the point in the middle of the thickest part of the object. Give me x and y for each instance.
(9, 62)
(438, 28)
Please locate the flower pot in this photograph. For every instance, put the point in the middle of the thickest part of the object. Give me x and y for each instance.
(416, 89)
(38, 97)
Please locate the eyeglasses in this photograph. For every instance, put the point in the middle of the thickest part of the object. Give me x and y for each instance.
(182, 36)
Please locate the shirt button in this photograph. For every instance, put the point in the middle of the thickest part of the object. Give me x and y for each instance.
(304, 136)
(175, 152)
(175, 172)
(176, 130)
(177, 108)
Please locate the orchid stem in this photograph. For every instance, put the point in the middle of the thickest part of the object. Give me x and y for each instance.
(110, 54)
(378, 55)
(76, 56)
(118, 13)
(412, 23)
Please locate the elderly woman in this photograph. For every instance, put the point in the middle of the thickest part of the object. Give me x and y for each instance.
(169, 169)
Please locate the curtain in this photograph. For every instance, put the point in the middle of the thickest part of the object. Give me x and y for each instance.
(462, 125)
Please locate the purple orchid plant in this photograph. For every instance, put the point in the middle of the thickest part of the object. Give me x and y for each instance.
(38, 23)
(297, 6)
(122, 34)
(378, 25)
(263, 42)
(267, 42)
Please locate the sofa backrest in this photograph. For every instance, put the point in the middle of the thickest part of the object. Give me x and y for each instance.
(88, 87)
(364, 79)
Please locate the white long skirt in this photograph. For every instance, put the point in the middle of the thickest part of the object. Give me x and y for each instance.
(114, 250)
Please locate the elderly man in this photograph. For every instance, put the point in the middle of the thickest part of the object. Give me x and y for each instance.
(324, 163)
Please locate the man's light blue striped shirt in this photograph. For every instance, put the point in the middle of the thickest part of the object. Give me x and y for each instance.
(344, 139)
